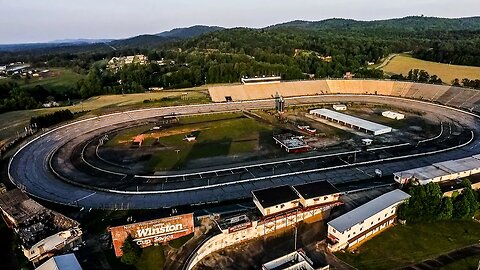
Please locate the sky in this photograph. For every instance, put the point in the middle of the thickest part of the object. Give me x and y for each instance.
(26, 21)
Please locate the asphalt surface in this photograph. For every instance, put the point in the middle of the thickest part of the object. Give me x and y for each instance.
(40, 170)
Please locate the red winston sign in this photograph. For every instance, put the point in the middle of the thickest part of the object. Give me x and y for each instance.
(154, 231)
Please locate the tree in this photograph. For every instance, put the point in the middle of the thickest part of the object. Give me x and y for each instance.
(466, 204)
(446, 209)
(131, 251)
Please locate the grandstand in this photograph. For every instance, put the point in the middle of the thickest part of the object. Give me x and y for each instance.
(453, 96)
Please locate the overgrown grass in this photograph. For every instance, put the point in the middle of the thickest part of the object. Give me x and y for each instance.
(179, 242)
(403, 63)
(152, 258)
(217, 138)
(403, 245)
(470, 263)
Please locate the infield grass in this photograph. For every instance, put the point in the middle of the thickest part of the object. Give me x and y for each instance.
(227, 137)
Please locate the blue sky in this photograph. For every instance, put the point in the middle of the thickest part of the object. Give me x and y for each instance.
(45, 20)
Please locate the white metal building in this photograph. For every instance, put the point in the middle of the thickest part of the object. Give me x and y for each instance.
(442, 171)
(340, 107)
(364, 221)
(262, 79)
(393, 115)
(296, 260)
(351, 121)
(62, 262)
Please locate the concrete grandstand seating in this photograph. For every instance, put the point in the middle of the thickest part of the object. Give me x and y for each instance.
(463, 96)
(447, 95)
(471, 102)
(450, 94)
(401, 88)
(268, 90)
(427, 91)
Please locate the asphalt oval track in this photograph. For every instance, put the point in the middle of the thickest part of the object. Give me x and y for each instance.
(30, 167)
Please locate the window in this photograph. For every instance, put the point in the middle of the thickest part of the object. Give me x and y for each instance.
(392, 211)
(325, 198)
(385, 215)
(378, 219)
(348, 236)
(361, 229)
(371, 223)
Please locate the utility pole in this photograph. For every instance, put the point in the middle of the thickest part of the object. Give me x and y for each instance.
(296, 232)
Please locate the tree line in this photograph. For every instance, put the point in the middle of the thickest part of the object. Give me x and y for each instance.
(427, 204)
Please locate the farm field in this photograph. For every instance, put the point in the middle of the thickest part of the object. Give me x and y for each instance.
(396, 247)
(403, 63)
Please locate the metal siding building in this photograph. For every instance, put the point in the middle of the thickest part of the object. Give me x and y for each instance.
(364, 221)
(442, 171)
(351, 121)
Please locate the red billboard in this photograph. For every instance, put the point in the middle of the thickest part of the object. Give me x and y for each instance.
(151, 232)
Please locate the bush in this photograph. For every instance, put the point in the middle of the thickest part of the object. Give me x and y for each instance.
(131, 251)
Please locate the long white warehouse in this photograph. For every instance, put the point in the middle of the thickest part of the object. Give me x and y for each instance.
(364, 221)
(351, 121)
(443, 171)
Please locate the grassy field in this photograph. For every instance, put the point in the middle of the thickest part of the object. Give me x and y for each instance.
(59, 80)
(225, 134)
(152, 258)
(179, 242)
(227, 137)
(17, 120)
(403, 63)
(403, 245)
(470, 263)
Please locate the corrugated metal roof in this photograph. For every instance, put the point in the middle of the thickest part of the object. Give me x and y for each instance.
(63, 262)
(367, 210)
(442, 168)
(358, 122)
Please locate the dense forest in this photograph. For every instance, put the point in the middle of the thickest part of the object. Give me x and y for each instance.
(295, 50)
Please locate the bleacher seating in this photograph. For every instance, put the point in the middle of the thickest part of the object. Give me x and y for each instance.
(453, 96)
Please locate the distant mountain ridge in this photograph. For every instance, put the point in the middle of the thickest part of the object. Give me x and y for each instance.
(407, 23)
(188, 32)
(80, 41)
(145, 40)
